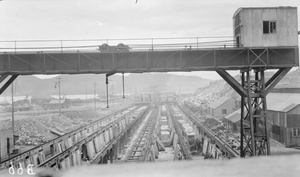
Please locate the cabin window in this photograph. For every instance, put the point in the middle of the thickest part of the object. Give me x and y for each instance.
(296, 132)
(224, 111)
(269, 27)
(238, 42)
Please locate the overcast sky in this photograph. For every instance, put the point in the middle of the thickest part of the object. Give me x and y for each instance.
(102, 19)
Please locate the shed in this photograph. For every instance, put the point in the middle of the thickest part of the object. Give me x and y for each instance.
(4, 103)
(221, 107)
(284, 116)
(266, 27)
(54, 104)
(233, 120)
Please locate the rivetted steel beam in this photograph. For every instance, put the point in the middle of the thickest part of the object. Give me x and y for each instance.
(231, 81)
(81, 62)
(270, 84)
(7, 84)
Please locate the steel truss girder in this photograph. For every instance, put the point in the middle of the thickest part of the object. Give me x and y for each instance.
(253, 91)
(81, 62)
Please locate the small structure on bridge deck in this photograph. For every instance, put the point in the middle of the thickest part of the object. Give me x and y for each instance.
(221, 107)
(266, 27)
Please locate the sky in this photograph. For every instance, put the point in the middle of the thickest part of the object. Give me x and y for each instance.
(119, 19)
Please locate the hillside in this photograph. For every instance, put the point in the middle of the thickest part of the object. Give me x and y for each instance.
(82, 84)
(220, 88)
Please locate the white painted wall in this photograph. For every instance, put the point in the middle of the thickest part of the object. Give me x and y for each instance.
(252, 26)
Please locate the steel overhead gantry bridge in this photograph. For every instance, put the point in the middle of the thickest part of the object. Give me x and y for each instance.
(253, 90)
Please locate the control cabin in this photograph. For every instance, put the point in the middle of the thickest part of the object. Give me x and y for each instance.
(266, 27)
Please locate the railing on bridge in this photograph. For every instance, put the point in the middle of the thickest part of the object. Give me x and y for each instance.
(137, 44)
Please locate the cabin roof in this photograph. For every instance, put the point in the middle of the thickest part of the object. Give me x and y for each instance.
(243, 8)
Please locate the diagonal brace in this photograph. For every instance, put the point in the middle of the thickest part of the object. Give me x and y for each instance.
(232, 82)
(270, 84)
(7, 84)
(3, 77)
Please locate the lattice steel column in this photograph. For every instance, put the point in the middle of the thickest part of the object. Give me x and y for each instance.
(254, 130)
(253, 92)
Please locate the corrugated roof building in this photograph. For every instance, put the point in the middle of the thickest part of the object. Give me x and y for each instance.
(283, 115)
(221, 107)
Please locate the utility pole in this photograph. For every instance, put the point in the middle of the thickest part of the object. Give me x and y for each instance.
(95, 95)
(123, 85)
(57, 84)
(106, 82)
(85, 96)
(113, 94)
(13, 112)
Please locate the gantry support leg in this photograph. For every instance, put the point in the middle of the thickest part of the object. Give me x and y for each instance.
(253, 91)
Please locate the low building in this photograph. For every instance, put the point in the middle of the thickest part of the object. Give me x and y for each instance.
(221, 107)
(54, 104)
(6, 143)
(283, 118)
(233, 120)
(4, 103)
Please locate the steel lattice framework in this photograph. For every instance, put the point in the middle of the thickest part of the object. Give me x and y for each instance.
(253, 90)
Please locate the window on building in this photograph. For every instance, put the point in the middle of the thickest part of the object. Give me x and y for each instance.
(296, 132)
(224, 111)
(269, 27)
(238, 42)
(272, 27)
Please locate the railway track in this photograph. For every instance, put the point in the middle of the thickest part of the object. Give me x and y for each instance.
(141, 148)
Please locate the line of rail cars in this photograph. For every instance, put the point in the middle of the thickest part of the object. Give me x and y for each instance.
(165, 127)
(78, 147)
(214, 139)
(187, 129)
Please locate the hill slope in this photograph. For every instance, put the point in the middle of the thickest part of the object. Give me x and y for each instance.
(82, 84)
